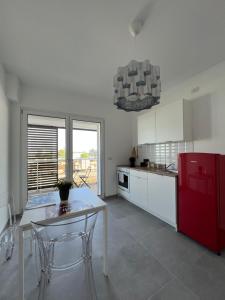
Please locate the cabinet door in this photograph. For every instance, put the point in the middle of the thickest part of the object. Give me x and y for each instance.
(142, 199)
(155, 185)
(170, 123)
(162, 197)
(146, 128)
(138, 191)
(132, 189)
(170, 199)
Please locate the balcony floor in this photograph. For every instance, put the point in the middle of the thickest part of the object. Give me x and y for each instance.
(94, 188)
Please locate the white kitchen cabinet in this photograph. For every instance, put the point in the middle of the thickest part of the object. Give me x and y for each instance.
(146, 128)
(174, 122)
(154, 193)
(139, 188)
(162, 197)
(124, 194)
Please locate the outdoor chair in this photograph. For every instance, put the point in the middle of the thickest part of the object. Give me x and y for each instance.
(84, 178)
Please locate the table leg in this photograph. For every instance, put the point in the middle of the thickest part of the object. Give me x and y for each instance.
(105, 241)
(21, 265)
(31, 244)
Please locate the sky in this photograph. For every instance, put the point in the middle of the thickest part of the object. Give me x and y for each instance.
(83, 141)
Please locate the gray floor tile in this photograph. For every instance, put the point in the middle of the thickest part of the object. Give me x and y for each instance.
(122, 209)
(140, 224)
(199, 280)
(135, 273)
(172, 248)
(174, 290)
(148, 259)
(213, 265)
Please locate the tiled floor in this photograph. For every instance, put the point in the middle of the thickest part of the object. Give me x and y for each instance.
(148, 260)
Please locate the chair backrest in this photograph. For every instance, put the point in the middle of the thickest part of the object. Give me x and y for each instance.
(7, 237)
(69, 240)
(12, 211)
(88, 172)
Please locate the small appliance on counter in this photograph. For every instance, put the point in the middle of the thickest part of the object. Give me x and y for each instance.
(145, 163)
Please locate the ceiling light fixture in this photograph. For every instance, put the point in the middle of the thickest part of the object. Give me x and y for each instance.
(137, 86)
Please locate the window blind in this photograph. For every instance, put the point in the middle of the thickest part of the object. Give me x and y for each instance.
(42, 152)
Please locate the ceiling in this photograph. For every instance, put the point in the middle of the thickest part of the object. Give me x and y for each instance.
(77, 45)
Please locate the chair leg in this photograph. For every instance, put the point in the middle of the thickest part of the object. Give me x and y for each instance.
(90, 279)
(76, 185)
(10, 245)
(43, 286)
(87, 257)
(51, 259)
(81, 184)
(31, 245)
(9, 251)
(85, 183)
(37, 264)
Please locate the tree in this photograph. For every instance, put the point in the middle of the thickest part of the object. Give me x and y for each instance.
(61, 153)
(93, 153)
(84, 155)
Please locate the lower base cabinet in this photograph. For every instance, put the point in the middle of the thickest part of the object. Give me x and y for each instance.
(124, 194)
(162, 198)
(139, 189)
(155, 194)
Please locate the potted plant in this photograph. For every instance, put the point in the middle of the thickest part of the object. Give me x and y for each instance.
(64, 187)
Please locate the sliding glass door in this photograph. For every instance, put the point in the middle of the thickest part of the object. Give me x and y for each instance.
(61, 147)
(46, 153)
(86, 154)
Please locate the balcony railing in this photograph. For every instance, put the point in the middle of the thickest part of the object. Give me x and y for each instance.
(44, 173)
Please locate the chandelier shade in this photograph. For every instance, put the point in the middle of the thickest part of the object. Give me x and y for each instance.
(137, 86)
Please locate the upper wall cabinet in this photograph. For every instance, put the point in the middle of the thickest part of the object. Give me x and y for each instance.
(169, 123)
(174, 122)
(146, 128)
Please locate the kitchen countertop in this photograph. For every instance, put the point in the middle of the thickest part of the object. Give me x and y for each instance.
(162, 172)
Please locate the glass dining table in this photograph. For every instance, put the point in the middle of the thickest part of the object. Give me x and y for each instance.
(47, 209)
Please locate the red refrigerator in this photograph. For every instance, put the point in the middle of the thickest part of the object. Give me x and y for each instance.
(201, 198)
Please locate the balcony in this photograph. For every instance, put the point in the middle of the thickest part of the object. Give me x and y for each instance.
(44, 173)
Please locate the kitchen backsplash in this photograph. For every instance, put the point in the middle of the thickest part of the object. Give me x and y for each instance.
(163, 153)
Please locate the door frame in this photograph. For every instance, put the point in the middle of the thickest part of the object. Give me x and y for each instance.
(69, 145)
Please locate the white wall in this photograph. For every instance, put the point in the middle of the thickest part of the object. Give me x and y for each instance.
(15, 153)
(4, 150)
(118, 130)
(208, 107)
(209, 122)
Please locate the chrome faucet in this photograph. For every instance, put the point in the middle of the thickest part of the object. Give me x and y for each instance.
(170, 165)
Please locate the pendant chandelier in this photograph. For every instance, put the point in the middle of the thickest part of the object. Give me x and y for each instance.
(137, 86)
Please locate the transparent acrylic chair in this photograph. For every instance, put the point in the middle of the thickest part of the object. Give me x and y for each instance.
(7, 239)
(64, 245)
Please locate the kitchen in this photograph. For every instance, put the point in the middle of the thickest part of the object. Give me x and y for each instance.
(184, 190)
(147, 79)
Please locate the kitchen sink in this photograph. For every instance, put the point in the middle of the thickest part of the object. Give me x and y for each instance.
(173, 171)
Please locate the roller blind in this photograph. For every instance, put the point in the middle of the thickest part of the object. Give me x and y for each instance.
(42, 156)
